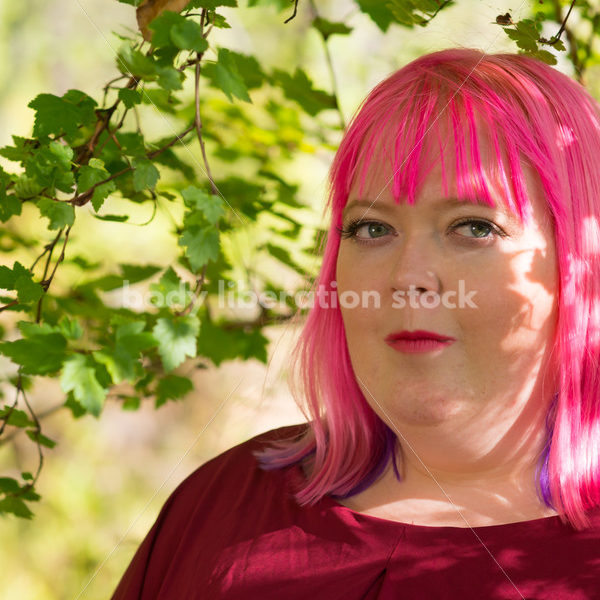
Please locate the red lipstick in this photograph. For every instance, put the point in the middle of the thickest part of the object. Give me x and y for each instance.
(418, 341)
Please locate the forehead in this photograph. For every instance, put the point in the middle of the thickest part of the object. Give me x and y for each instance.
(479, 170)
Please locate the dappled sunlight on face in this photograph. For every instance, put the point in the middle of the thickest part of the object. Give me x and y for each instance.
(494, 368)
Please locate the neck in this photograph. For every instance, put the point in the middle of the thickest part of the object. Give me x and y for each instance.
(444, 492)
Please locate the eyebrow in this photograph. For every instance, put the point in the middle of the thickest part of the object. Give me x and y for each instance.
(445, 203)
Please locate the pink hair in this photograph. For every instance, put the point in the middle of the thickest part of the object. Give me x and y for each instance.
(530, 112)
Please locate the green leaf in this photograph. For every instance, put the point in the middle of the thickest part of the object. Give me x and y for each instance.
(62, 115)
(20, 279)
(210, 205)
(8, 485)
(161, 28)
(63, 154)
(211, 4)
(224, 75)
(187, 35)
(161, 99)
(23, 147)
(10, 205)
(176, 339)
(130, 97)
(114, 218)
(327, 28)
(284, 257)
(29, 494)
(170, 78)
(145, 174)
(403, 12)
(219, 344)
(119, 363)
(524, 34)
(39, 438)
(132, 143)
(27, 187)
(545, 56)
(135, 273)
(8, 276)
(219, 21)
(92, 174)
(39, 354)
(101, 193)
(79, 376)
(300, 89)
(249, 69)
(16, 506)
(170, 291)
(70, 328)
(29, 329)
(50, 167)
(131, 403)
(133, 63)
(17, 418)
(379, 12)
(76, 409)
(202, 245)
(60, 213)
(172, 387)
(28, 290)
(528, 27)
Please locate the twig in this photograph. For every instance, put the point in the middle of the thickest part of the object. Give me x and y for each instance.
(186, 310)
(440, 7)
(12, 303)
(45, 283)
(563, 25)
(197, 118)
(84, 197)
(6, 417)
(60, 258)
(294, 13)
(331, 70)
(38, 430)
(47, 248)
(579, 67)
(198, 125)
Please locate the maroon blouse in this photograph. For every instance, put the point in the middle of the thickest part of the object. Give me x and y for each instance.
(234, 531)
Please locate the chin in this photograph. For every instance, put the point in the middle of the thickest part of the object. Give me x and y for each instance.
(427, 411)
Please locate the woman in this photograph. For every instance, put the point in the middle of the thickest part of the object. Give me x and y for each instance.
(448, 367)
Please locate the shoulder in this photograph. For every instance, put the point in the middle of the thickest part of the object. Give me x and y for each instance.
(241, 456)
(234, 473)
(207, 514)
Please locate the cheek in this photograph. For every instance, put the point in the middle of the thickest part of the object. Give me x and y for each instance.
(356, 271)
(510, 316)
(359, 297)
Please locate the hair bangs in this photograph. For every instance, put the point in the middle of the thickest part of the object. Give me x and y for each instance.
(458, 133)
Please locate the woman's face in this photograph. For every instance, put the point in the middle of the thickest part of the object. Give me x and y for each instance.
(495, 281)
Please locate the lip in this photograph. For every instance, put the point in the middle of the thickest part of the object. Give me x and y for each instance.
(419, 341)
(418, 334)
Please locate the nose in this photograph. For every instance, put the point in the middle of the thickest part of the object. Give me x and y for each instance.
(416, 267)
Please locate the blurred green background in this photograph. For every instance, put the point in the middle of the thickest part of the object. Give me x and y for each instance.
(104, 483)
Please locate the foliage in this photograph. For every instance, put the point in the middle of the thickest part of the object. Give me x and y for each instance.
(85, 153)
